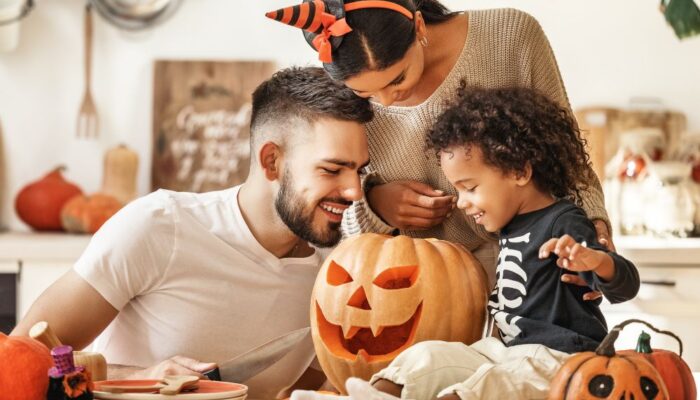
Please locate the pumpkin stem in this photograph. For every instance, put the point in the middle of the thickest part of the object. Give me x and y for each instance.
(644, 343)
(607, 346)
(621, 325)
(58, 170)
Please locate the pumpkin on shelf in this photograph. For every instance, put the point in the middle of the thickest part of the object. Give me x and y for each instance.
(39, 203)
(376, 295)
(24, 367)
(673, 370)
(607, 374)
(86, 214)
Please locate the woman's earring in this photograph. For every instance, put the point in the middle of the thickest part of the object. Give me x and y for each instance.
(423, 41)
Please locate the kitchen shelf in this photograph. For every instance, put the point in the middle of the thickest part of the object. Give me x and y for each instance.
(659, 251)
(32, 246)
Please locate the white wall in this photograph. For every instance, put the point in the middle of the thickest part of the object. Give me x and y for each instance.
(607, 52)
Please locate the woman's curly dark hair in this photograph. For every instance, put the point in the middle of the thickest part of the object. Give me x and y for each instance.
(514, 127)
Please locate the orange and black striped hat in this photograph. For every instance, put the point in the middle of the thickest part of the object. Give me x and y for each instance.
(323, 21)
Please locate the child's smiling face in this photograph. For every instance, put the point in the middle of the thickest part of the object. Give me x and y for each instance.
(486, 193)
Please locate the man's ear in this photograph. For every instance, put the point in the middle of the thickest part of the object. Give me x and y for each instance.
(270, 156)
(523, 177)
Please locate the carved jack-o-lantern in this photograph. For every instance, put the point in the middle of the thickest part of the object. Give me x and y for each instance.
(376, 295)
(605, 374)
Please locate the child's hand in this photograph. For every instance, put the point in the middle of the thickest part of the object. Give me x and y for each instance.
(572, 255)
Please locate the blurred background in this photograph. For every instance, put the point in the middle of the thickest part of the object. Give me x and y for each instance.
(171, 89)
(608, 53)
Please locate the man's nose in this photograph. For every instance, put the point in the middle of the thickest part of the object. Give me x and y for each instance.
(353, 189)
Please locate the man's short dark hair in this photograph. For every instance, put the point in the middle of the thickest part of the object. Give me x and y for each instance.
(302, 94)
(514, 127)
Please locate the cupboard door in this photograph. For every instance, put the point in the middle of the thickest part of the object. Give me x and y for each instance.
(34, 278)
(8, 295)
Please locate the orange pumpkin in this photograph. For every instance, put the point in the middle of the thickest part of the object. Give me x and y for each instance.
(39, 203)
(673, 370)
(605, 374)
(86, 214)
(24, 365)
(376, 295)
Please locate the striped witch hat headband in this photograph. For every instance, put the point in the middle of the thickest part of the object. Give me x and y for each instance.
(323, 21)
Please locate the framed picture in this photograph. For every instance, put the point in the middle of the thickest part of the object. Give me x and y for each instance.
(201, 117)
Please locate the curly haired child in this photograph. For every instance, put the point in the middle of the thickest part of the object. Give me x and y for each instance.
(516, 159)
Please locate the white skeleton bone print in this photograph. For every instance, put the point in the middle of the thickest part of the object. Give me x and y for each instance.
(509, 259)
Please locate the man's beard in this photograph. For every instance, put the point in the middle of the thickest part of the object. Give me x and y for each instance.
(290, 208)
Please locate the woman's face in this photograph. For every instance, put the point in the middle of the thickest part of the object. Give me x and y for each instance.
(393, 84)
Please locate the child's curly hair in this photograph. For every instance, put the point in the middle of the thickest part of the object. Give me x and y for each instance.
(514, 127)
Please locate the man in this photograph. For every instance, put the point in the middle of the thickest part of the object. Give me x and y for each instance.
(209, 276)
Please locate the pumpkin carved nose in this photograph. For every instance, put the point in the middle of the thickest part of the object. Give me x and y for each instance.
(359, 299)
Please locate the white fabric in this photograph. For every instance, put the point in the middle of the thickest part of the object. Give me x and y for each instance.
(357, 389)
(486, 370)
(189, 278)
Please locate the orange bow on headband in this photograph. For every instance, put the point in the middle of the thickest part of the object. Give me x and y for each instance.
(313, 17)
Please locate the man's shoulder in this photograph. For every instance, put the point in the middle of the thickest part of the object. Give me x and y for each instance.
(175, 199)
(165, 200)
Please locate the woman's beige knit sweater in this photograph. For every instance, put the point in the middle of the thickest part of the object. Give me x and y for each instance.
(504, 47)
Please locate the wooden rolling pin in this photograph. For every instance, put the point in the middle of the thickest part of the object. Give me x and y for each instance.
(93, 362)
(41, 332)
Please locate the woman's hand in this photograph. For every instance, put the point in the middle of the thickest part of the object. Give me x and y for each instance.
(410, 205)
(604, 237)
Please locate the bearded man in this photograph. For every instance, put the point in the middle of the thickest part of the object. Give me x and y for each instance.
(178, 277)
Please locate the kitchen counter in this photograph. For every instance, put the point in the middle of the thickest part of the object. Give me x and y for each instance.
(661, 251)
(42, 246)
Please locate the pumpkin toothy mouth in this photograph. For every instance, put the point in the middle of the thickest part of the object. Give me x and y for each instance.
(362, 342)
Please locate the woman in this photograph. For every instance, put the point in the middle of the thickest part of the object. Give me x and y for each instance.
(410, 59)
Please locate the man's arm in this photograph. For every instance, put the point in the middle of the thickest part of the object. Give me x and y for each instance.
(75, 311)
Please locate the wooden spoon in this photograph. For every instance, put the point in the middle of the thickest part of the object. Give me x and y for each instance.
(43, 333)
(175, 383)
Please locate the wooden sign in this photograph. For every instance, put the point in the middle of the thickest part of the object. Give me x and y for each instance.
(201, 117)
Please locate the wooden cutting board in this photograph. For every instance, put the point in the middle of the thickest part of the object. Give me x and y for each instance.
(207, 390)
(201, 116)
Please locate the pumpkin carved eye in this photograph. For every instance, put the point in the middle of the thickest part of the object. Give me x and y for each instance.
(649, 388)
(337, 275)
(601, 386)
(397, 277)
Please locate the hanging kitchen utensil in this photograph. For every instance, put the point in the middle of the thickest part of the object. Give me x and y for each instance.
(11, 13)
(135, 15)
(88, 123)
(24, 8)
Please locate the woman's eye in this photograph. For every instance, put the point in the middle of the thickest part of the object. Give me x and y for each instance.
(398, 81)
(470, 190)
(330, 171)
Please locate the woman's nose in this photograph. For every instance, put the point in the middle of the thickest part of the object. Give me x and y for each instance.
(385, 98)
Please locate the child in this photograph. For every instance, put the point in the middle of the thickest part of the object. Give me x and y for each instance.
(515, 158)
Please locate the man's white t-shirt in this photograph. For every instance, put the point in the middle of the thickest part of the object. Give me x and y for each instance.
(189, 278)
